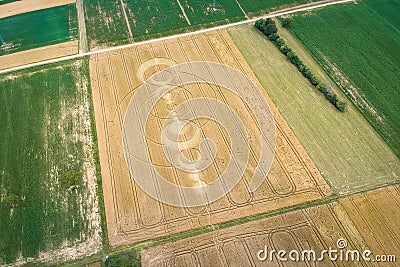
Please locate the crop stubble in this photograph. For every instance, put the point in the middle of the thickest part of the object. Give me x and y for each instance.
(365, 221)
(24, 6)
(131, 214)
(38, 54)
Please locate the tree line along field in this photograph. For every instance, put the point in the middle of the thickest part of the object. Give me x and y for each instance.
(112, 22)
(346, 149)
(39, 28)
(47, 133)
(358, 46)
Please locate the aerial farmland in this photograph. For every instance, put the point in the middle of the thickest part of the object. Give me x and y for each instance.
(199, 133)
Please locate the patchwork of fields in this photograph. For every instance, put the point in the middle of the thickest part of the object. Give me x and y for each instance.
(325, 168)
(366, 221)
(38, 54)
(345, 148)
(133, 215)
(120, 22)
(39, 28)
(113, 22)
(46, 131)
(24, 6)
(358, 46)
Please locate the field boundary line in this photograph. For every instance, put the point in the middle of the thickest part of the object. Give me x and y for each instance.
(127, 21)
(276, 14)
(183, 12)
(241, 8)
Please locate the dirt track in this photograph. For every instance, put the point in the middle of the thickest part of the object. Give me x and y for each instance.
(131, 214)
(24, 6)
(38, 54)
(366, 221)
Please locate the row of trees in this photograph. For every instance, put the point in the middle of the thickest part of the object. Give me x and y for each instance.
(268, 27)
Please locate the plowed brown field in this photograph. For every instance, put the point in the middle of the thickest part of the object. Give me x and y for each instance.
(366, 221)
(131, 214)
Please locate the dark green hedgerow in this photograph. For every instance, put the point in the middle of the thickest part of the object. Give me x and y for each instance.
(268, 27)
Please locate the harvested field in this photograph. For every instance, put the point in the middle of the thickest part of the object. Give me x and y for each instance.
(131, 214)
(38, 54)
(24, 6)
(366, 221)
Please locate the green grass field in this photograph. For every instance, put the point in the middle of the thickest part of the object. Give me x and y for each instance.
(344, 146)
(201, 13)
(2, 2)
(154, 17)
(359, 47)
(106, 24)
(39, 28)
(260, 7)
(46, 131)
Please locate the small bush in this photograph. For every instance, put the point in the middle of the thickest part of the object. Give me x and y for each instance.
(341, 106)
(72, 178)
(301, 67)
(11, 201)
(270, 29)
(321, 87)
(260, 24)
(267, 26)
(285, 22)
(285, 49)
(280, 42)
(314, 80)
(273, 37)
(294, 59)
